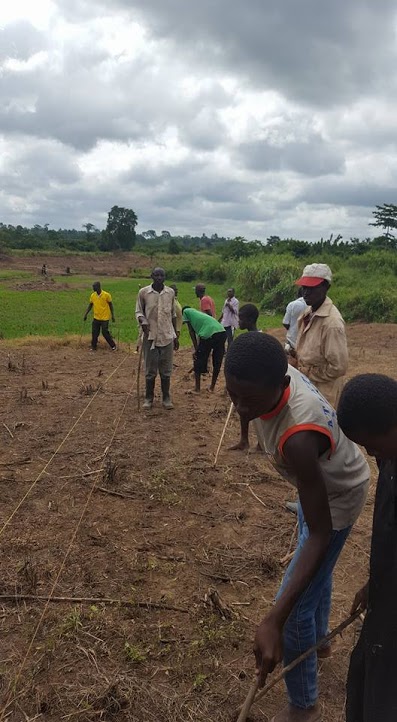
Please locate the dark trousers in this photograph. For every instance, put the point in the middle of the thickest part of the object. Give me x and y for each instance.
(371, 682)
(229, 334)
(216, 344)
(97, 327)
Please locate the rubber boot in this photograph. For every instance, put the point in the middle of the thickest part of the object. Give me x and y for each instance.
(149, 395)
(165, 389)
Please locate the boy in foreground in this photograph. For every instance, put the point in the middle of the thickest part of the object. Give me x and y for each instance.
(367, 413)
(300, 433)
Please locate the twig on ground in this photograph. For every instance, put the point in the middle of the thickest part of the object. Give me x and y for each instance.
(257, 497)
(10, 432)
(229, 413)
(114, 493)
(92, 600)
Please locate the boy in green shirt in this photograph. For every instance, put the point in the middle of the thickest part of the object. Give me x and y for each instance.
(207, 335)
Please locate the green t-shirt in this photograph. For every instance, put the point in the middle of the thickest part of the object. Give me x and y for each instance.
(202, 324)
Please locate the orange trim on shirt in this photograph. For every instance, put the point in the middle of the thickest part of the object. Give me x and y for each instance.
(305, 427)
(283, 402)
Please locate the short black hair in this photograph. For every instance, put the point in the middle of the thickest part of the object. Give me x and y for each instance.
(250, 311)
(368, 403)
(257, 357)
(183, 308)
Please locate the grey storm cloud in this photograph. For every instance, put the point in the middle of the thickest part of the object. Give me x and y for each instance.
(230, 117)
(318, 53)
(312, 157)
(21, 40)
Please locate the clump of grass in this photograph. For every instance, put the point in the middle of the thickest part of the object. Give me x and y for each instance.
(134, 653)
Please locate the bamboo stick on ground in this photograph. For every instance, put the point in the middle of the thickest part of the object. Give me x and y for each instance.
(229, 413)
(252, 694)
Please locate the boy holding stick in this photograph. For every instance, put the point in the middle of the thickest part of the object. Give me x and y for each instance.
(300, 433)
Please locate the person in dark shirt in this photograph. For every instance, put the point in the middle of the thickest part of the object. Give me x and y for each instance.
(367, 414)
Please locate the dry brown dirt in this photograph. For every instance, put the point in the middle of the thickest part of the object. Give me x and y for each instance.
(115, 264)
(161, 530)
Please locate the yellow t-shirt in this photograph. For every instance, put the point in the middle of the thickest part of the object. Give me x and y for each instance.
(101, 306)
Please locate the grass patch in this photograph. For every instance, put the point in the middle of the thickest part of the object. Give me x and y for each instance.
(59, 313)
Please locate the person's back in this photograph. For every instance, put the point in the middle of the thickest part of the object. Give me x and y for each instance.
(202, 324)
(290, 321)
(368, 415)
(344, 468)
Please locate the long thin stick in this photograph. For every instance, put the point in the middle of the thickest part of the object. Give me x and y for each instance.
(92, 600)
(252, 696)
(229, 413)
(138, 377)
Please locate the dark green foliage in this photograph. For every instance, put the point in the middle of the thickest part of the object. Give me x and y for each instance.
(120, 229)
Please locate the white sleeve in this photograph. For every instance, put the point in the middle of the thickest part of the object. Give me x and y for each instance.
(287, 316)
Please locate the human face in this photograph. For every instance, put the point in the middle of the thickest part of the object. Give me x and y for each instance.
(315, 295)
(158, 277)
(96, 287)
(252, 400)
(383, 446)
(243, 321)
(230, 293)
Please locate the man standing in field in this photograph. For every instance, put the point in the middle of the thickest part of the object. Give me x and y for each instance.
(207, 335)
(101, 302)
(155, 313)
(207, 304)
(299, 431)
(229, 317)
(321, 346)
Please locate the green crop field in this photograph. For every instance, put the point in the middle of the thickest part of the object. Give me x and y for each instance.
(60, 312)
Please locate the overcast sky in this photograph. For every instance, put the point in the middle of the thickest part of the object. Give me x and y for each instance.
(241, 117)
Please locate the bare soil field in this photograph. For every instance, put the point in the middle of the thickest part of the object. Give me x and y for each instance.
(116, 264)
(158, 564)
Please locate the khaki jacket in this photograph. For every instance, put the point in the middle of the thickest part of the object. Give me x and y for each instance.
(322, 350)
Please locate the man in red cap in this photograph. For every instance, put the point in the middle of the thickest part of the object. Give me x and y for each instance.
(321, 346)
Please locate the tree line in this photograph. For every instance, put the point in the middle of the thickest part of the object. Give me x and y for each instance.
(120, 235)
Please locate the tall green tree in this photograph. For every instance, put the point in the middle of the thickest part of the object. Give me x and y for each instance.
(386, 218)
(120, 229)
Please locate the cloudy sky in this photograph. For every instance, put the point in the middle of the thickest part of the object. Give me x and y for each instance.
(241, 117)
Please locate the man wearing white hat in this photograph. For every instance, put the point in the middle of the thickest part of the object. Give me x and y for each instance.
(321, 346)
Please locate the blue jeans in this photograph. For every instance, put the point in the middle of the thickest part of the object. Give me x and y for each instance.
(308, 621)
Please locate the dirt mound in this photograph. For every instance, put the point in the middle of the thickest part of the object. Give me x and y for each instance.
(47, 284)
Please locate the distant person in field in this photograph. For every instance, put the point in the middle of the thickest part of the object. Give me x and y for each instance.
(44, 270)
(299, 431)
(321, 347)
(208, 336)
(248, 316)
(207, 304)
(102, 305)
(293, 311)
(367, 413)
(178, 311)
(156, 315)
(229, 316)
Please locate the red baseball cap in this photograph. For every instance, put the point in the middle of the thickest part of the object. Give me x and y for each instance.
(314, 274)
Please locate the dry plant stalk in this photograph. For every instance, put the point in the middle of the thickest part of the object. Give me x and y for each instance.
(223, 433)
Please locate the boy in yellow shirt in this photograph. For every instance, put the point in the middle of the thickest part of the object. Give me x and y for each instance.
(101, 302)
